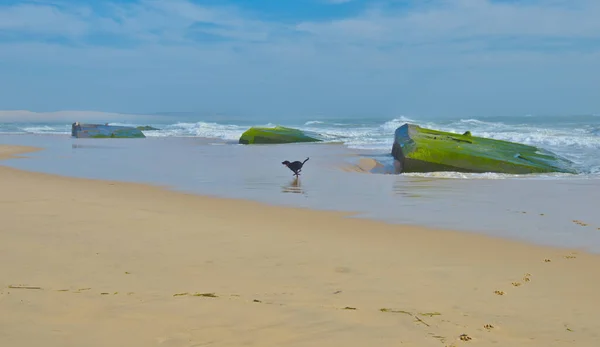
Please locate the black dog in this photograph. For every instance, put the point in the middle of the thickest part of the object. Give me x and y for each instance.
(295, 166)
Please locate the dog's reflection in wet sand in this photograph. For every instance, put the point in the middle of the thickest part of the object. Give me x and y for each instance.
(293, 187)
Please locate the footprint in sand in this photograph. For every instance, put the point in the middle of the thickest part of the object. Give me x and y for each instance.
(568, 329)
(526, 278)
(488, 326)
(499, 292)
(465, 337)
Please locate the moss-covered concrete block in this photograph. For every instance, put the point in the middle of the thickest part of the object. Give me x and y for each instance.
(276, 135)
(99, 131)
(419, 149)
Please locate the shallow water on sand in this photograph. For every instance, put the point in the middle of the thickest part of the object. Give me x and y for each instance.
(536, 210)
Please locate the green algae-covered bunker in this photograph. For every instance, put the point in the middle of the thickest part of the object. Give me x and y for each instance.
(276, 135)
(417, 149)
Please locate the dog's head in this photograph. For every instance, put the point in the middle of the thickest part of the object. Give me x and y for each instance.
(286, 163)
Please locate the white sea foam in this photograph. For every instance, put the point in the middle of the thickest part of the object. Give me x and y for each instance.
(495, 176)
(198, 129)
(390, 126)
(45, 129)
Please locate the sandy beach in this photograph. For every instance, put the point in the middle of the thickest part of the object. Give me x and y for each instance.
(103, 263)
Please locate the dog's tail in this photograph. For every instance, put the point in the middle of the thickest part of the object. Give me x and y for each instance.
(305, 160)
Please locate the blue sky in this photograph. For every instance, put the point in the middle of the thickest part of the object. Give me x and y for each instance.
(302, 57)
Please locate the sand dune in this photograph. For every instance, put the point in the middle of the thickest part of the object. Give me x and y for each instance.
(99, 263)
(69, 116)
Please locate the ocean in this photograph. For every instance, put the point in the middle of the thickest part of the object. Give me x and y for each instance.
(576, 138)
(200, 155)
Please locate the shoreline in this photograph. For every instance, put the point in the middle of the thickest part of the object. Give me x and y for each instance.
(132, 264)
(362, 166)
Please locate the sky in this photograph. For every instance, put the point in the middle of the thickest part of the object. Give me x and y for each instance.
(287, 58)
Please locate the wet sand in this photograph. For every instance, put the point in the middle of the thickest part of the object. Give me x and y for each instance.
(533, 209)
(104, 263)
(13, 152)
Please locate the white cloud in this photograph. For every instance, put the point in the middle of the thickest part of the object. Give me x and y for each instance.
(440, 20)
(174, 19)
(423, 23)
(384, 53)
(146, 21)
(41, 19)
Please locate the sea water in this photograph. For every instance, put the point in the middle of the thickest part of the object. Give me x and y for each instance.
(202, 156)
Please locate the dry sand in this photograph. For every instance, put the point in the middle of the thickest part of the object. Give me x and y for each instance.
(118, 264)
